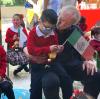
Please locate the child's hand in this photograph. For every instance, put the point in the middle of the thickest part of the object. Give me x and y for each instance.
(53, 48)
(15, 37)
(16, 44)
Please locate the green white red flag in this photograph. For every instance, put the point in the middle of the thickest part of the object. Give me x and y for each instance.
(77, 40)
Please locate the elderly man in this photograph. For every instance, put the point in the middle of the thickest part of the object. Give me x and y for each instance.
(75, 65)
(78, 68)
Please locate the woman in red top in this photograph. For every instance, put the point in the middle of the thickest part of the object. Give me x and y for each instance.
(16, 36)
(5, 86)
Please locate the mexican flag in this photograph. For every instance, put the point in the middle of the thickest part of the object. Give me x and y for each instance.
(81, 44)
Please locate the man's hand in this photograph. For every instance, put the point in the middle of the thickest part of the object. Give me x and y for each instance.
(60, 48)
(90, 67)
(56, 48)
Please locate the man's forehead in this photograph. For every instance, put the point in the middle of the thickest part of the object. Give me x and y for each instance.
(64, 14)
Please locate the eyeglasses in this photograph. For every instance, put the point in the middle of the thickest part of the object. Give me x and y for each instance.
(49, 28)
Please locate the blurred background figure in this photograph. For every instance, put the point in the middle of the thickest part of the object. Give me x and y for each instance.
(69, 2)
(95, 28)
(33, 10)
(95, 42)
(52, 4)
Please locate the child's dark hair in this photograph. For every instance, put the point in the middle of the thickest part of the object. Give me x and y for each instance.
(95, 30)
(49, 15)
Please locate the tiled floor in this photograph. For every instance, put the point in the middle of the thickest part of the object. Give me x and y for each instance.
(21, 81)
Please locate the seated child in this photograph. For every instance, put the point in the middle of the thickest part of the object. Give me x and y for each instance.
(16, 36)
(42, 41)
(5, 85)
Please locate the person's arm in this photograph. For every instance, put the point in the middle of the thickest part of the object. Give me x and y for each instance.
(10, 38)
(3, 62)
(37, 59)
(46, 2)
(33, 49)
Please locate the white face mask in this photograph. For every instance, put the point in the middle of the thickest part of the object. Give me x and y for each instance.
(46, 30)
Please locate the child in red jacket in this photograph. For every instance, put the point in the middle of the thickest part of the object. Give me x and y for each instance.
(49, 75)
(5, 86)
(95, 42)
(16, 36)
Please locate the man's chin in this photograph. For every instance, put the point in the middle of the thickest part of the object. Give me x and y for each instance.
(59, 28)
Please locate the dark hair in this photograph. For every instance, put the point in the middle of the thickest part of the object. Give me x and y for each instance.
(95, 30)
(83, 19)
(49, 15)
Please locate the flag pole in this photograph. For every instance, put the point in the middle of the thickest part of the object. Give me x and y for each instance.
(64, 42)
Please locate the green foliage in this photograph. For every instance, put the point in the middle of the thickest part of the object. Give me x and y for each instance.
(19, 2)
(1, 2)
(12, 2)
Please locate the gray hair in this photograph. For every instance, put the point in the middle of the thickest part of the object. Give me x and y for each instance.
(72, 10)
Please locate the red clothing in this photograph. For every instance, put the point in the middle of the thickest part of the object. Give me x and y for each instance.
(83, 26)
(95, 44)
(3, 62)
(39, 45)
(9, 36)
